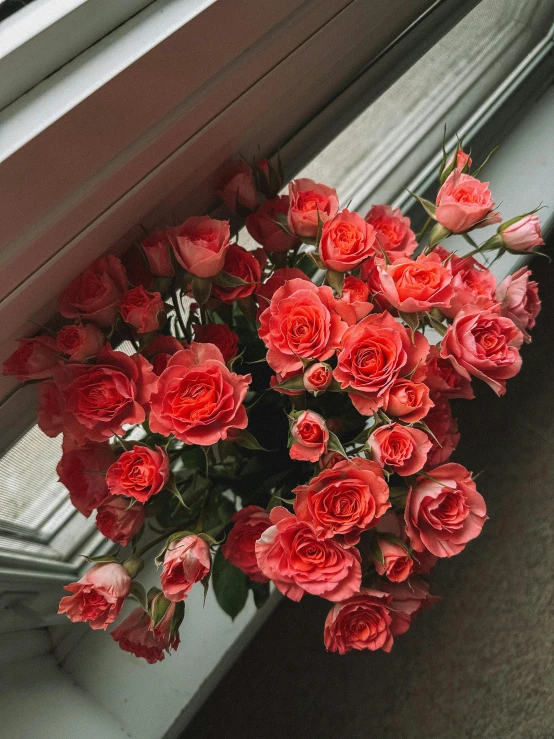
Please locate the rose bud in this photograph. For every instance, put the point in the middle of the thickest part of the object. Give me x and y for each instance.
(141, 310)
(200, 245)
(157, 252)
(262, 227)
(49, 409)
(402, 448)
(363, 621)
(80, 343)
(523, 235)
(34, 359)
(463, 202)
(239, 188)
(81, 471)
(95, 294)
(318, 377)
(310, 437)
(393, 233)
(354, 303)
(240, 547)
(119, 520)
(413, 286)
(186, 562)
(346, 241)
(219, 334)
(310, 205)
(139, 473)
(243, 264)
(461, 160)
(98, 596)
(407, 600)
(409, 401)
(519, 300)
(393, 562)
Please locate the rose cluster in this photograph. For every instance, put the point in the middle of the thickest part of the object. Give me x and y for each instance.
(339, 345)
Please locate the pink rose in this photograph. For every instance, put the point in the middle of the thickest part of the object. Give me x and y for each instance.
(301, 322)
(318, 377)
(119, 520)
(409, 401)
(407, 600)
(239, 188)
(139, 473)
(445, 512)
(221, 335)
(462, 202)
(80, 343)
(186, 562)
(363, 621)
(412, 286)
(136, 634)
(98, 596)
(197, 398)
(309, 437)
(95, 294)
(157, 252)
(483, 344)
(345, 499)
(240, 547)
(473, 283)
(161, 350)
(519, 300)
(346, 240)
(354, 304)
(442, 377)
(263, 228)
(50, 409)
(393, 233)
(522, 235)
(291, 555)
(444, 428)
(244, 265)
(402, 448)
(200, 245)
(81, 471)
(309, 205)
(142, 310)
(34, 359)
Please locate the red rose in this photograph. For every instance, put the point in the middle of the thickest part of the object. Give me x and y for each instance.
(186, 562)
(102, 398)
(393, 233)
(96, 294)
(309, 205)
(346, 241)
(136, 634)
(409, 401)
(239, 188)
(98, 596)
(221, 335)
(483, 344)
(445, 432)
(346, 499)
(291, 555)
(240, 546)
(82, 473)
(161, 350)
(363, 621)
(157, 252)
(463, 202)
(141, 309)
(402, 448)
(301, 322)
(200, 245)
(80, 343)
(445, 512)
(262, 227)
(34, 359)
(309, 437)
(50, 409)
(442, 377)
(318, 377)
(198, 399)
(119, 520)
(354, 304)
(139, 473)
(412, 286)
(519, 300)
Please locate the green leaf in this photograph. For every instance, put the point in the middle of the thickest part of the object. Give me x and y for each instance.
(334, 444)
(411, 319)
(249, 441)
(438, 233)
(439, 327)
(101, 558)
(138, 592)
(476, 173)
(429, 207)
(201, 289)
(224, 279)
(336, 280)
(160, 608)
(260, 591)
(230, 585)
(293, 383)
(376, 552)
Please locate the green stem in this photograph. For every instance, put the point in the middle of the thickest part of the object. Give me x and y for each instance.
(178, 311)
(423, 231)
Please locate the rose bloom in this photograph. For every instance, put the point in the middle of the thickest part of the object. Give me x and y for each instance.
(483, 344)
(393, 233)
(119, 520)
(157, 252)
(263, 229)
(161, 350)
(240, 547)
(463, 202)
(290, 554)
(407, 600)
(139, 473)
(200, 245)
(266, 290)
(219, 334)
(472, 282)
(412, 286)
(136, 634)
(519, 300)
(49, 408)
(239, 188)
(374, 353)
(141, 309)
(80, 343)
(346, 240)
(444, 513)
(442, 377)
(301, 322)
(34, 359)
(95, 294)
(97, 598)
(100, 399)
(363, 621)
(81, 471)
(444, 428)
(243, 264)
(402, 448)
(278, 378)
(318, 377)
(186, 562)
(409, 401)
(198, 399)
(309, 205)
(346, 499)
(310, 437)
(397, 564)
(523, 235)
(354, 304)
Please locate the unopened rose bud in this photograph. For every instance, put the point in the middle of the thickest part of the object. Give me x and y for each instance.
(318, 377)
(523, 234)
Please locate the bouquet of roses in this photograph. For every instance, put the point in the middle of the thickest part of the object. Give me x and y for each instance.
(280, 415)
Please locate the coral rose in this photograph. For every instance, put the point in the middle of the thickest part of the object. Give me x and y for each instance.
(139, 473)
(244, 265)
(442, 377)
(263, 228)
(309, 437)
(119, 520)
(363, 621)
(473, 283)
(239, 188)
(186, 562)
(200, 245)
(81, 471)
(463, 202)
(393, 233)
(34, 359)
(412, 286)
(409, 401)
(157, 252)
(318, 377)
(97, 598)
(136, 634)
(346, 240)
(141, 309)
(80, 343)
(394, 561)
(519, 300)
(407, 600)
(240, 547)
(354, 304)
(221, 336)
(402, 448)
(161, 350)
(444, 429)
(523, 235)
(309, 205)
(95, 294)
